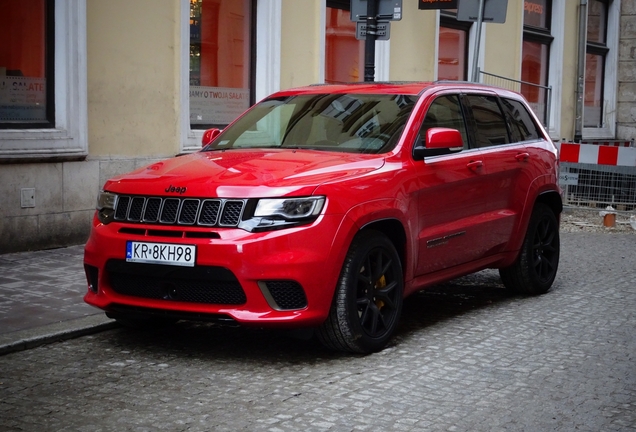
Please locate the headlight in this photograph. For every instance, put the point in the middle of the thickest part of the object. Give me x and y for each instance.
(290, 208)
(106, 200)
(106, 203)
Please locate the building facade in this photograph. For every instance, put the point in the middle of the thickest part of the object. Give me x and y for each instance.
(90, 88)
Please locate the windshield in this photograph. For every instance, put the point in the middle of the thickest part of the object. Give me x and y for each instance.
(354, 123)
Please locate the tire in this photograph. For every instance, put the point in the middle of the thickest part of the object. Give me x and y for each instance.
(368, 300)
(536, 266)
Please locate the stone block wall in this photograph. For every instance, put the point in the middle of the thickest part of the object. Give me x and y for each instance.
(58, 203)
(626, 119)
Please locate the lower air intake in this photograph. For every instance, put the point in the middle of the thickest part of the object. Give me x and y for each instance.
(208, 285)
(287, 295)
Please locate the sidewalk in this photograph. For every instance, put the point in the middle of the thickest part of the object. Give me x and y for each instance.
(41, 299)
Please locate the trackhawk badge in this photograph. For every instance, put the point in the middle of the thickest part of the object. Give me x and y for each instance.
(176, 189)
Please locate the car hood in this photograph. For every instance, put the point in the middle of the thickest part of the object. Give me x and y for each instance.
(244, 173)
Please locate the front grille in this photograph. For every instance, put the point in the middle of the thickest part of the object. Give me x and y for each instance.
(287, 294)
(180, 211)
(202, 284)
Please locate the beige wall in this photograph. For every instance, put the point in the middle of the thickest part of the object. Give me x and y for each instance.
(570, 61)
(301, 42)
(133, 83)
(412, 44)
(502, 49)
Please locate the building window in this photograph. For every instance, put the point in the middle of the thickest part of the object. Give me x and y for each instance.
(221, 61)
(59, 131)
(452, 58)
(27, 31)
(344, 54)
(595, 59)
(535, 56)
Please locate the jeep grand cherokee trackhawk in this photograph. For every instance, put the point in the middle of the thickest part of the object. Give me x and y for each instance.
(325, 206)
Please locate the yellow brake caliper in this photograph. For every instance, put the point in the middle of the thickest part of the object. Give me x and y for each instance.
(380, 284)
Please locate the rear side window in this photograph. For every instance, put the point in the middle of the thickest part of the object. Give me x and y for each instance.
(490, 123)
(523, 128)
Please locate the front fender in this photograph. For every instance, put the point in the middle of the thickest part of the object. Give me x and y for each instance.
(379, 214)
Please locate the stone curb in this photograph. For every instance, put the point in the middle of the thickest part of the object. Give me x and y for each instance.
(64, 330)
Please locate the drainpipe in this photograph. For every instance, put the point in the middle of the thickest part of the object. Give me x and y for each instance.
(580, 72)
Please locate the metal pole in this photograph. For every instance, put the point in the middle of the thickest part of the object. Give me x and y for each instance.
(369, 43)
(480, 17)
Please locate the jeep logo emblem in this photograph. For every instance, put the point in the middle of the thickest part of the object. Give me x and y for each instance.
(176, 189)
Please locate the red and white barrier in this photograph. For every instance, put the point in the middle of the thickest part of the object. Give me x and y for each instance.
(597, 154)
(613, 143)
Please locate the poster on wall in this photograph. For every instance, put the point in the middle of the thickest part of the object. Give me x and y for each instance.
(22, 99)
(217, 105)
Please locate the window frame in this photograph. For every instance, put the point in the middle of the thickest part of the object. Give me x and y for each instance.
(610, 75)
(470, 40)
(49, 74)
(66, 137)
(252, 67)
(542, 36)
(266, 42)
(449, 20)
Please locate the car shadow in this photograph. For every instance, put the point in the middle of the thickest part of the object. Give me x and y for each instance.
(212, 341)
(452, 299)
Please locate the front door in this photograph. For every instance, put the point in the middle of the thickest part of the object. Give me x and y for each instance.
(451, 196)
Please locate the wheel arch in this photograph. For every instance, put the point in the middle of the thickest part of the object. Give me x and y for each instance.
(549, 197)
(395, 232)
(552, 199)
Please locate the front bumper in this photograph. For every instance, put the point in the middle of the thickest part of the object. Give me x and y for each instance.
(308, 257)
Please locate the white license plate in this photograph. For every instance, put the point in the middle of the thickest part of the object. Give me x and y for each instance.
(161, 253)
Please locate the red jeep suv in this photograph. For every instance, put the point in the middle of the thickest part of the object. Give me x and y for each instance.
(325, 206)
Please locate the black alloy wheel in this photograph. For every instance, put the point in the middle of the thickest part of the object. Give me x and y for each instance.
(536, 267)
(545, 249)
(368, 299)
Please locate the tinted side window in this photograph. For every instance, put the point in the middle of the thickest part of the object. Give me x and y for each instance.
(490, 123)
(446, 112)
(522, 125)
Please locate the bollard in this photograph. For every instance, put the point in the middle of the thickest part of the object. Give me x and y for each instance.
(609, 216)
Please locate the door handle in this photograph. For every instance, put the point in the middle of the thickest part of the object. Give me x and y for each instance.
(475, 165)
(522, 156)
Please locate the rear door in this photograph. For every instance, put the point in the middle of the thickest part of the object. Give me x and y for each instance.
(507, 172)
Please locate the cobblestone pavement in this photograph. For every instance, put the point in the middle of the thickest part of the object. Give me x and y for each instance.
(42, 287)
(468, 357)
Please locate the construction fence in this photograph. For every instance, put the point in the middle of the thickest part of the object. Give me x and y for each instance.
(598, 175)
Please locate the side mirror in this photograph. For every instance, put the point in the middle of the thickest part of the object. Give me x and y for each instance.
(209, 135)
(439, 141)
(443, 138)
